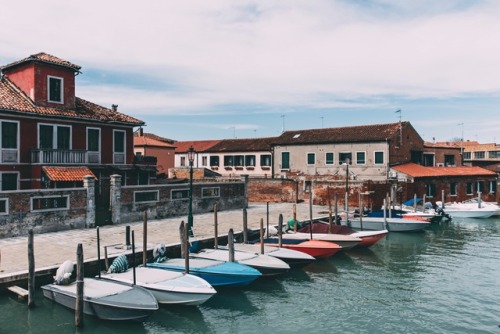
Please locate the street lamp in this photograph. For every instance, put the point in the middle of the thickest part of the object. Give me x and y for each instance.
(190, 155)
(346, 207)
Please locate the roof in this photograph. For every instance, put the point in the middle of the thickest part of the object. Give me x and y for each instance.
(415, 170)
(145, 141)
(198, 145)
(44, 58)
(243, 145)
(155, 137)
(14, 100)
(67, 173)
(361, 133)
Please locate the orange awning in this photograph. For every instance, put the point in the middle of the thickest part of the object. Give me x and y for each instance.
(67, 173)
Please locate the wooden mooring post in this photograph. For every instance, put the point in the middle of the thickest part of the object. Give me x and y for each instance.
(230, 244)
(245, 226)
(216, 228)
(145, 239)
(31, 269)
(79, 287)
(183, 234)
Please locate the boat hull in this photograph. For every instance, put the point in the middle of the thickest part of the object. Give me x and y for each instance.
(134, 303)
(218, 274)
(315, 248)
(293, 258)
(392, 225)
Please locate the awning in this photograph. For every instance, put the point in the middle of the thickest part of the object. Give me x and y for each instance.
(67, 173)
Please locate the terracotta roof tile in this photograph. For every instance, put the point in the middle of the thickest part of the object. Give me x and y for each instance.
(242, 145)
(198, 145)
(350, 134)
(146, 141)
(67, 173)
(45, 58)
(415, 170)
(14, 100)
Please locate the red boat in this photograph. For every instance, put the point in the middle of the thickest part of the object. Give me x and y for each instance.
(368, 238)
(316, 248)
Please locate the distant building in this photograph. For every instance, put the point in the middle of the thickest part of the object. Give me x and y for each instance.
(157, 150)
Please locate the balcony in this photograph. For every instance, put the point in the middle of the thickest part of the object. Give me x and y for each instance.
(50, 156)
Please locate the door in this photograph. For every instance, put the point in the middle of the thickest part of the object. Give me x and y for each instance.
(102, 199)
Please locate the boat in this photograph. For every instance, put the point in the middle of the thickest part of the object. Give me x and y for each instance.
(315, 248)
(321, 225)
(345, 241)
(168, 287)
(469, 210)
(390, 224)
(217, 273)
(105, 300)
(267, 265)
(293, 258)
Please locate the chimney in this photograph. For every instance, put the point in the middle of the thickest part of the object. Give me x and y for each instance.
(114, 107)
(141, 132)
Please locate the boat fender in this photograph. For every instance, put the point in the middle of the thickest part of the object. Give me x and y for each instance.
(159, 253)
(273, 230)
(63, 273)
(119, 265)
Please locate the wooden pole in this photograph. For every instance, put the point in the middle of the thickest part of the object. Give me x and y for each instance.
(216, 228)
(31, 269)
(98, 252)
(330, 225)
(280, 231)
(133, 256)
(230, 244)
(310, 214)
(414, 203)
(423, 203)
(385, 213)
(106, 262)
(336, 208)
(245, 226)
(360, 212)
(183, 232)
(145, 239)
(79, 287)
(295, 218)
(267, 215)
(262, 236)
(183, 242)
(442, 199)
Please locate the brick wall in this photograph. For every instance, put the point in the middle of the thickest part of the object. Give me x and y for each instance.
(272, 190)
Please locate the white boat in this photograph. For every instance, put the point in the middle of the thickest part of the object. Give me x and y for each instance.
(267, 265)
(390, 224)
(105, 300)
(292, 257)
(469, 210)
(345, 241)
(169, 287)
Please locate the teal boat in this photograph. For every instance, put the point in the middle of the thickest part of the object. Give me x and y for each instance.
(217, 273)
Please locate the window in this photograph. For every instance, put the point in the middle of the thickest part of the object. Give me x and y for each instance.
(183, 161)
(265, 160)
(429, 159)
(430, 190)
(470, 188)
(214, 161)
(453, 189)
(343, 156)
(449, 160)
(55, 89)
(179, 194)
(210, 192)
(146, 196)
(204, 160)
(379, 158)
(329, 158)
(311, 158)
(4, 206)
(467, 155)
(49, 203)
(250, 160)
(239, 160)
(228, 160)
(494, 154)
(94, 145)
(285, 160)
(54, 137)
(480, 186)
(307, 186)
(118, 146)
(10, 141)
(479, 155)
(9, 181)
(360, 158)
(492, 186)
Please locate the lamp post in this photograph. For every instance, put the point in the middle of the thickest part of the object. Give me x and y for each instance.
(190, 155)
(346, 206)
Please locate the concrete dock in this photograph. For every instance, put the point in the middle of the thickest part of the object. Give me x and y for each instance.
(52, 249)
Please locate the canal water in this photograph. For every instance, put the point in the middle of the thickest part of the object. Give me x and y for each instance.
(444, 280)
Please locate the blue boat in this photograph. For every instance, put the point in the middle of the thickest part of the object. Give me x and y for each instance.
(217, 273)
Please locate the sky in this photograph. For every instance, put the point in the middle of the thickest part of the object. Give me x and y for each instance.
(195, 70)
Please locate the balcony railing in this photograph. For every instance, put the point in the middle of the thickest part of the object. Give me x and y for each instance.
(49, 156)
